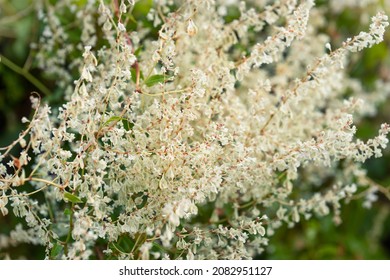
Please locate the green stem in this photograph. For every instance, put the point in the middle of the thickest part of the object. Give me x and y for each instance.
(26, 74)
(69, 236)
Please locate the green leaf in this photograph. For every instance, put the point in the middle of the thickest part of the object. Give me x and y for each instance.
(142, 8)
(72, 198)
(80, 3)
(113, 119)
(67, 212)
(132, 19)
(57, 248)
(155, 79)
(232, 13)
(138, 51)
(127, 124)
(126, 243)
(134, 75)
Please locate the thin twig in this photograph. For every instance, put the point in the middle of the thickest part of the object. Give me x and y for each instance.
(19, 70)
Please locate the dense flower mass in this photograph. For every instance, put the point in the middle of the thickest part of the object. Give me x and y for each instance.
(197, 141)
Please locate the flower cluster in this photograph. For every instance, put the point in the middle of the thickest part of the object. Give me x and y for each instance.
(196, 142)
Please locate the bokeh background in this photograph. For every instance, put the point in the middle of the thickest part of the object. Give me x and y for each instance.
(363, 234)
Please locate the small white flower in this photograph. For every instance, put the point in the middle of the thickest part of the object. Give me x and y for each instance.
(192, 29)
(122, 8)
(328, 46)
(121, 27)
(25, 120)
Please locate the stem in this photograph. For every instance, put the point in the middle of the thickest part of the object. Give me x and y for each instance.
(120, 251)
(22, 135)
(136, 243)
(50, 211)
(30, 193)
(36, 180)
(68, 237)
(160, 13)
(137, 77)
(17, 69)
(45, 181)
(166, 92)
(15, 17)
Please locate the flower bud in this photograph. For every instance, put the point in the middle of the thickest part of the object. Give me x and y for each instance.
(191, 28)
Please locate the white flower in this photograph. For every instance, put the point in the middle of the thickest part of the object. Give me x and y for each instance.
(192, 29)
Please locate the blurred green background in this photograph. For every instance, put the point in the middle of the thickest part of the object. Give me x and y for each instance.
(363, 234)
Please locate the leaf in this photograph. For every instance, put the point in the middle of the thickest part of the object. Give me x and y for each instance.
(134, 75)
(138, 51)
(155, 79)
(127, 124)
(232, 13)
(142, 8)
(132, 18)
(80, 3)
(126, 243)
(112, 119)
(72, 198)
(57, 248)
(67, 212)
